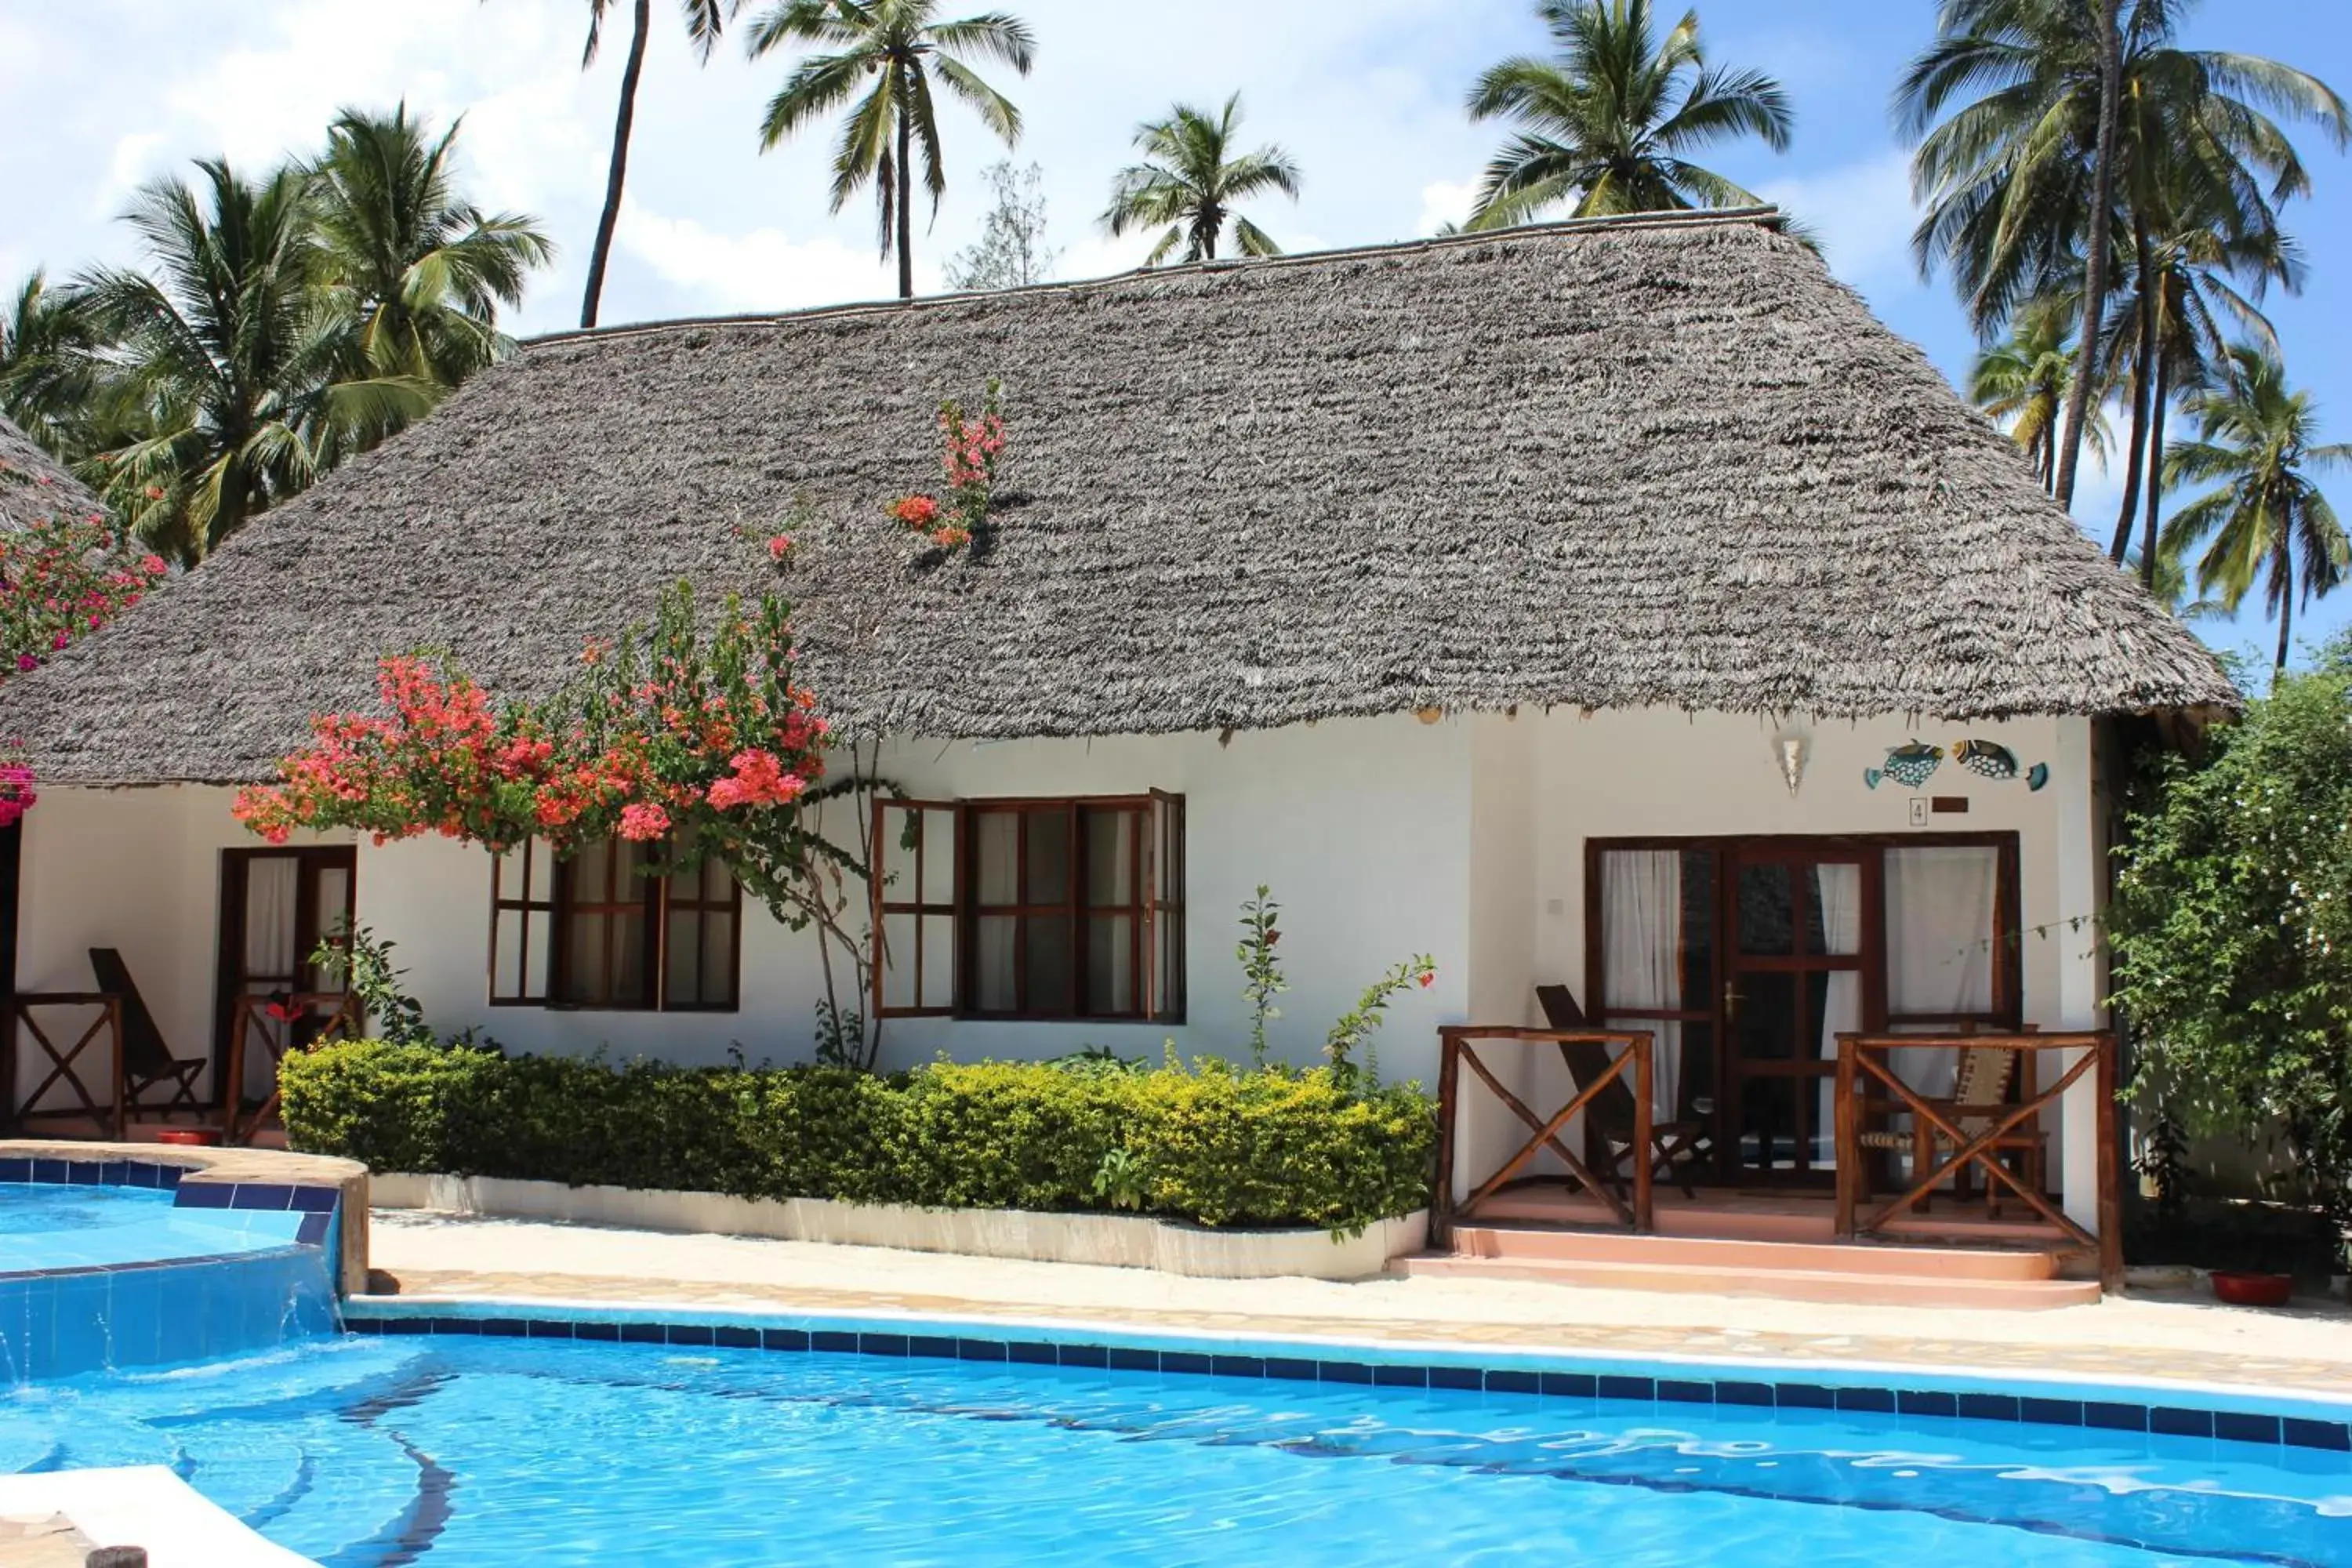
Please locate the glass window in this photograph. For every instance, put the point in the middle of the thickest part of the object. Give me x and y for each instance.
(599, 932)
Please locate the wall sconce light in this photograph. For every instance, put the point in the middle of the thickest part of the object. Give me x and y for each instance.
(1791, 749)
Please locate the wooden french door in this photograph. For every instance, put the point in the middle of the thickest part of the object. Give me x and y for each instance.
(276, 906)
(1803, 928)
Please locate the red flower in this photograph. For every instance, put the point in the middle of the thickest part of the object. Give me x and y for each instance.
(917, 512)
(643, 822)
(779, 546)
(1427, 977)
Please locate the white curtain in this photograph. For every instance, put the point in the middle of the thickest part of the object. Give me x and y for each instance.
(1940, 907)
(1837, 893)
(1642, 933)
(271, 884)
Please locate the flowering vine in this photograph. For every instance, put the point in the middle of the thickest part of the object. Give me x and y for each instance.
(62, 578)
(700, 745)
(973, 446)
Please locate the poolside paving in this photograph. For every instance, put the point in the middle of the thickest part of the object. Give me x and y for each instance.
(2173, 1338)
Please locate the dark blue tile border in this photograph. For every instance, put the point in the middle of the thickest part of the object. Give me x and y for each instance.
(1748, 1393)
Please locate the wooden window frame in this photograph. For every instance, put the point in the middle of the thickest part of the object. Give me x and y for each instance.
(1154, 824)
(655, 904)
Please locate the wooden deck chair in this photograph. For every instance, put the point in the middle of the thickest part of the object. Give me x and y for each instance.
(1981, 1088)
(1674, 1146)
(147, 1061)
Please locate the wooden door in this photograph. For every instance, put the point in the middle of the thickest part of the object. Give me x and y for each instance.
(276, 906)
(1801, 935)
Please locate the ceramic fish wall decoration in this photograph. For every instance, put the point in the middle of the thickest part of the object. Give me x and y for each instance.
(1991, 759)
(1910, 765)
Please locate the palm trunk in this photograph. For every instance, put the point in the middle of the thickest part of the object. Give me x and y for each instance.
(906, 192)
(2143, 375)
(2094, 280)
(2284, 568)
(2155, 472)
(619, 171)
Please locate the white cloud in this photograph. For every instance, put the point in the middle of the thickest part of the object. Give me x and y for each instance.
(1443, 201)
(762, 271)
(1861, 212)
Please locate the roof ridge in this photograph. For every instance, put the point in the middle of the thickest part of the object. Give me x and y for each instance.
(1763, 215)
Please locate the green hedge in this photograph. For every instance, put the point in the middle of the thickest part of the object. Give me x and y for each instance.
(1217, 1144)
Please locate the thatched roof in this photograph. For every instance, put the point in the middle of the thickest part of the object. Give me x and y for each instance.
(33, 485)
(1662, 461)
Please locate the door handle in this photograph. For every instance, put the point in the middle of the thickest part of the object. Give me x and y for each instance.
(1730, 1002)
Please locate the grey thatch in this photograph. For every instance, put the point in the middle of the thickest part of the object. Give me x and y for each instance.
(1649, 461)
(33, 485)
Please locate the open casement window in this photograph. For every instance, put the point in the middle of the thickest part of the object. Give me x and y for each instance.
(596, 933)
(1030, 909)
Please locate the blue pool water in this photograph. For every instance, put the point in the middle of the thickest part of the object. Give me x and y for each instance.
(46, 1225)
(464, 1452)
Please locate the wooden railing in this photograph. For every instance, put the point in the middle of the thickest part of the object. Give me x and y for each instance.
(269, 1020)
(106, 1105)
(1632, 1062)
(1954, 1140)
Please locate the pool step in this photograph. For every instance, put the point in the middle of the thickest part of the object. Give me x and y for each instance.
(2013, 1279)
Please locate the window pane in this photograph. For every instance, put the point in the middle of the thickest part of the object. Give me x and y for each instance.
(992, 989)
(682, 957)
(539, 930)
(996, 841)
(899, 961)
(506, 974)
(1833, 913)
(1942, 906)
(718, 961)
(1048, 965)
(1765, 1029)
(939, 961)
(939, 829)
(1766, 911)
(591, 873)
(1049, 858)
(629, 960)
(1657, 928)
(1768, 1123)
(586, 968)
(1110, 964)
(1111, 857)
(539, 885)
(1167, 979)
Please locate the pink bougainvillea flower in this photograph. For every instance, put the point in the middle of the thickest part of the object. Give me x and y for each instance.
(26, 661)
(59, 640)
(644, 822)
(779, 546)
(152, 565)
(1427, 977)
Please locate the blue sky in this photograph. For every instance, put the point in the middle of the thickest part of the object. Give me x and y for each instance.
(1366, 94)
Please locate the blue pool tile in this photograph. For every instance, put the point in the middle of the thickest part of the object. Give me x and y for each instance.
(1926, 1402)
(261, 1196)
(1191, 1361)
(53, 1171)
(115, 1173)
(1032, 1352)
(1628, 1388)
(1750, 1394)
(882, 1344)
(1988, 1407)
(1570, 1385)
(1343, 1372)
(1454, 1377)
(834, 1341)
(14, 1170)
(364, 1325)
(1510, 1380)
(460, 1326)
(317, 1200)
(980, 1350)
(169, 1177)
(205, 1195)
(313, 1229)
(407, 1326)
(2115, 1417)
(931, 1347)
(1292, 1369)
(1127, 1358)
(1387, 1376)
(2298, 1433)
(2051, 1412)
(1238, 1365)
(601, 1333)
(85, 1173)
(696, 1335)
(142, 1173)
(736, 1339)
(1683, 1390)
(1878, 1399)
(550, 1329)
(783, 1339)
(2240, 1429)
(2180, 1423)
(506, 1328)
(1083, 1355)
(644, 1334)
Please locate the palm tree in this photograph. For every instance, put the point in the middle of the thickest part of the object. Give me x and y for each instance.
(2022, 380)
(2265, 519)
(48, 367)
(2012, 106)
(705, 20)
(423, 272)
(900, 47)
(227, 359)
(1609, 122)
(1190, 181)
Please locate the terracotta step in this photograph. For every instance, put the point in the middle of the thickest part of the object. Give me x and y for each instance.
(1756, 1221)
(1517, 1245)
(1843, 1287)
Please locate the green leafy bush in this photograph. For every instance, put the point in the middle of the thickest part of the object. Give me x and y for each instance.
(1215, 1144)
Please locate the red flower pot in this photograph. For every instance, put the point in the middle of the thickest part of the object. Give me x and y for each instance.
(2252, 1289)
(189, 1137)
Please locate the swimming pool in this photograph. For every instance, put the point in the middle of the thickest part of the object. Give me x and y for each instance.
(456, 1450)
(48, 1226)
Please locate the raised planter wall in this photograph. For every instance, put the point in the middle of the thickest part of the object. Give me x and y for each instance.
(1119, 1241)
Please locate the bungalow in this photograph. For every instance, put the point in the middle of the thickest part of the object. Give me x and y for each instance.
(1613, 603)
